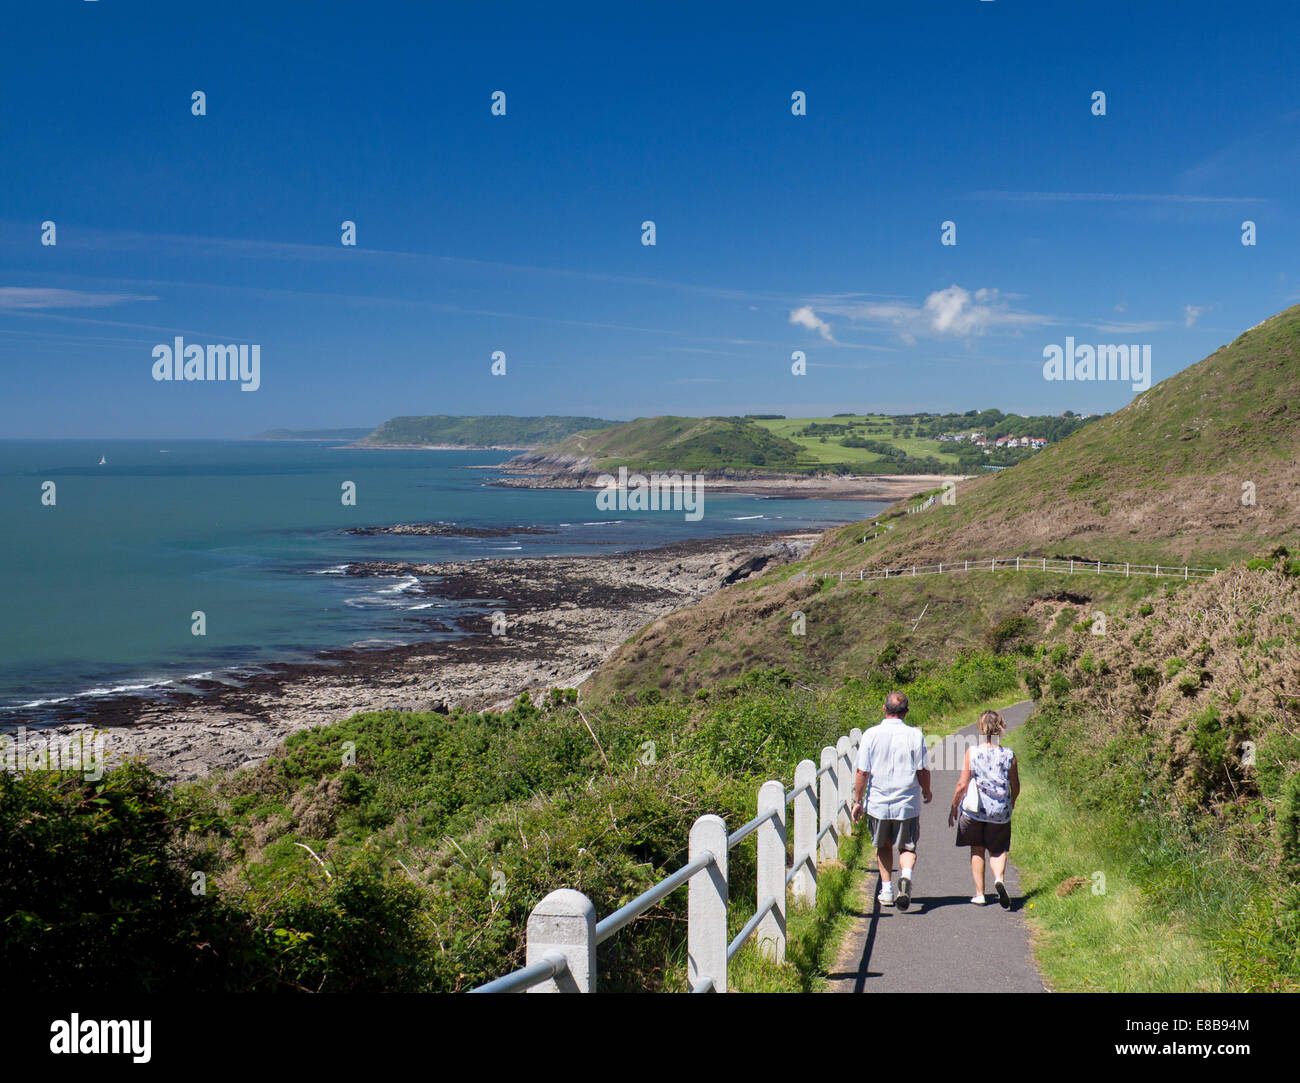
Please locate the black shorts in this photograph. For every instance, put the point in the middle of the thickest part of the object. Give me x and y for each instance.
(995, 838)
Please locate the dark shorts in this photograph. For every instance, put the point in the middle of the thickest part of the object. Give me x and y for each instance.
(995, 838)
(902, 833)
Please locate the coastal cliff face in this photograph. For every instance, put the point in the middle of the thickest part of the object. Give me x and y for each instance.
(548, 470)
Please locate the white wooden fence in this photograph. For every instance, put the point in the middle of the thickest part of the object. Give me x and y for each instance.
(563, 932)
(1022, 564)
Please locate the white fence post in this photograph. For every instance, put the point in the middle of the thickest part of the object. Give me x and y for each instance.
(564, 923)
(844, 775)
(706, 905)
(771, 871)
(828, 790)
(804, 884)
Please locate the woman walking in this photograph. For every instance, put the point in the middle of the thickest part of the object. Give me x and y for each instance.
(981, 806)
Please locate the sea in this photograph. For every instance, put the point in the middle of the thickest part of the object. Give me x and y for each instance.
(115, 552)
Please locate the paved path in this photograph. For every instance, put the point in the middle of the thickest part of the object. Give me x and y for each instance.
(942, 943)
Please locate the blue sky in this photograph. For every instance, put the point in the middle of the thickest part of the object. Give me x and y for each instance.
(522, 233)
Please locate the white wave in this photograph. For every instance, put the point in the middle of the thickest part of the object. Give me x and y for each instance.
(741, 518)
(38, 703)
(423, 605)
(90, 693)
(338, 569)
(605, 522)
(400, 588)
(119, 688)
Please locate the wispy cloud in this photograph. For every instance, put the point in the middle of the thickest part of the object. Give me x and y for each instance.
(20, 297)
(1192, 313)
(1109, 197)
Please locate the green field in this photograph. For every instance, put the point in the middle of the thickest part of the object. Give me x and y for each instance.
(872, 426)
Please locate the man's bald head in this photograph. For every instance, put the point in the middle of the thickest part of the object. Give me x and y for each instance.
(895, 705)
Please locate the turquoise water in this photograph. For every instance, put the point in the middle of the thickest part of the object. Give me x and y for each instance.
(99, 589)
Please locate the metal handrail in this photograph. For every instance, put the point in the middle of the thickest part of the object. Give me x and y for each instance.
(638, 906)
(797, 864)
(552, 966)
(748, 829)
(554, 963)
(749, 928)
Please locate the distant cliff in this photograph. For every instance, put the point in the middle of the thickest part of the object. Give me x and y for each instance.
(490, 430)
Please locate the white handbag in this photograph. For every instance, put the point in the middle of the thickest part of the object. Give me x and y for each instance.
(971, 802)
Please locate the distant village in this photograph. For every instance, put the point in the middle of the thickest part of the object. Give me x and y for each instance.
(979, 440)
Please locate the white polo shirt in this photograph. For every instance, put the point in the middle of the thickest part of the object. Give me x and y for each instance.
(891, 753)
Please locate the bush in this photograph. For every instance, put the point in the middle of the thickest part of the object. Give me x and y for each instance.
(1012, 635)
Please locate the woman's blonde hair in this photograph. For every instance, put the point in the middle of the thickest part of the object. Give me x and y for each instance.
(992, 724)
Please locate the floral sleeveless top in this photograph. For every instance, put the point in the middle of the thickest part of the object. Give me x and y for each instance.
(990, 767)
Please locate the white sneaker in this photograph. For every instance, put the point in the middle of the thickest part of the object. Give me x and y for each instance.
(979, 900)
(887, 894)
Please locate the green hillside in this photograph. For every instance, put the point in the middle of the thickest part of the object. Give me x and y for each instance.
(490, 430)
(677, 443)
(1162, 480)
(1159, 481)
(910, 444)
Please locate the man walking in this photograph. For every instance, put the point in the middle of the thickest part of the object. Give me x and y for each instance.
(894, 775)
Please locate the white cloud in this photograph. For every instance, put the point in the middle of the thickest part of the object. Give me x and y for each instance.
(805, 317)
(1192, 313)
(18, 297)
(953, 313)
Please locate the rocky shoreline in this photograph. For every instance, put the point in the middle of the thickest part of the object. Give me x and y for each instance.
(542, 470)
(563, 616)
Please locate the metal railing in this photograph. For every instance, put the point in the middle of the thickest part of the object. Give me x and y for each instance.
(562, 933)
(1022, 564)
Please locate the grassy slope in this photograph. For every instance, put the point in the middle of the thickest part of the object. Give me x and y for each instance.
(847, 626)
(679, 443)
(494, 429)
(1159, 481)
(1162, 767)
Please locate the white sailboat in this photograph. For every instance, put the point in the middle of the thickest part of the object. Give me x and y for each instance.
(102, 461)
